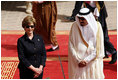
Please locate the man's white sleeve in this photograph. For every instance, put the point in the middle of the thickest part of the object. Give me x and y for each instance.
(74, 53)
(91, 56)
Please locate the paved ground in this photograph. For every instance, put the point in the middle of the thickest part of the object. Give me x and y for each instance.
(12, 13)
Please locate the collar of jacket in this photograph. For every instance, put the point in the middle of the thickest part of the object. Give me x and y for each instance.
(27, 38)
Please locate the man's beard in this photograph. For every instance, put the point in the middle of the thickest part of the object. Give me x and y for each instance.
(82, 24)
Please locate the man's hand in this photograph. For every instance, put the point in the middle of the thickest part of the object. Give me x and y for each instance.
(82, 64)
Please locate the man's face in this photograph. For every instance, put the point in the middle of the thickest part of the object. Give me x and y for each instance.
(83, 21)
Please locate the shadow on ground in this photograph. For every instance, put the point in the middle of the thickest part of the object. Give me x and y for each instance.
(112, 67)
(63, 18)
(9, 47)
(13, 6)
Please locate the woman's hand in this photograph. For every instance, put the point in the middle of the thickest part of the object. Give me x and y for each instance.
(36, 75)
(40, 69)
(37, 71)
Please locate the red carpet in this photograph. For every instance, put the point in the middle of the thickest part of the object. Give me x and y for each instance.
(10, 44)
(52, 71)
(53, 68)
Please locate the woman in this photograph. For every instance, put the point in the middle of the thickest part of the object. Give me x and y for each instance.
(31, 51)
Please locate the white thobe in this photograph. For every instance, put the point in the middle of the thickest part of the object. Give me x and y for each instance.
(77, 51)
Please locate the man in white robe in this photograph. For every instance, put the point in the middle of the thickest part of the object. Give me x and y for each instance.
(86, 47)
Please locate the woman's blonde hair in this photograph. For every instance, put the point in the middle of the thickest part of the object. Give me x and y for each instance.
(28, 20)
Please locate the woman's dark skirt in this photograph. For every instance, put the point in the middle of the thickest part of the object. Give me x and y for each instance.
(28, 74)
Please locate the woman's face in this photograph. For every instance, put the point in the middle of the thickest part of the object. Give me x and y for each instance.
(29, 28)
